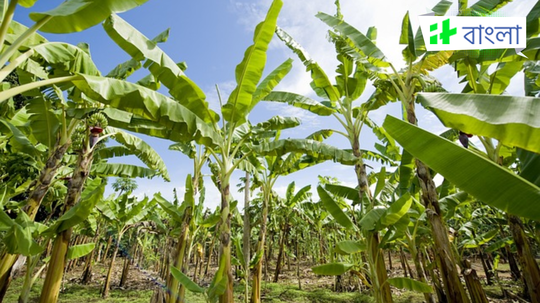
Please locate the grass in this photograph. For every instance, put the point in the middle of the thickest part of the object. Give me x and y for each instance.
(271, 292)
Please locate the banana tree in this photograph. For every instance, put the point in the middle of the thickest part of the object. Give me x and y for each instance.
(446, 108)
(287, 208)
(123, 213)
(63, 19)
(338, 101)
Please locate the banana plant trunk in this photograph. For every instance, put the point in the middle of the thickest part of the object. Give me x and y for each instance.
(420, 271)
(34, 201)
(473, 283)
(529, 267)
(89, 260)
(107, 283)
(246, 237)
(258, 268)
(443, 250)
(176, 291)
(281, 251)
(225, 255)
(381, 289)
(127, 260)
(55, 272)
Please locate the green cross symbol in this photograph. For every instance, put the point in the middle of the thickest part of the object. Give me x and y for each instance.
(445, 34)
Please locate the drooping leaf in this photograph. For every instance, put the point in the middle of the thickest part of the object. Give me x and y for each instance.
(90, 196)
(334, 209)
(381, 181)
(529, 166)
(344, 192)
(371, 220)
(188, 149)
(309, 147)
(186, 281)
(80, 250)
(142, 150)
(410, 284)
(169, 208)
(470, 172)
(43, 121)
(350, 247)
(300, 102)
(174, 120)
(279, 123)
(78, 15)
(397, 210)
(406, 172)
(161, 66)
(121, 170)
(332, 269)
(18, 140)
(515, 121)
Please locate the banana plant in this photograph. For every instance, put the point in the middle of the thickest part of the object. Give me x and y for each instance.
(123, 213)
(51, 54)
(286, 211)
(353, 74)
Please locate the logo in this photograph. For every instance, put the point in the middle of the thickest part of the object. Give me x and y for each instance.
(470, 33)
(444, 35)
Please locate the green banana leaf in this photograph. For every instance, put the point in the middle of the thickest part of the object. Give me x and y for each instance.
(344, 192)
(312, 148)
(410, 284)
(321, 83)
(18, 238)
(186, 281)
(480, 177)
(529, 165)
(66, 57)
(270, 82)
(360, 40)
(161, 66)
(43, 121)
(332, 269)
(300, 101)
(18, 140)
(80, 250)
(279, 123)
(350, 247)
(442, 7)
(91, 195)
(249, 71)
(121, 170)
(397, 210)
(169, 208)
(176, 121)
(78, 15)
(114, 151)
(16, 29)
(371, 220)
(515, 121)
(142, 150)
(334, 209)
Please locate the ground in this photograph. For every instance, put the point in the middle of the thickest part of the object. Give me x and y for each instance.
(315, 289)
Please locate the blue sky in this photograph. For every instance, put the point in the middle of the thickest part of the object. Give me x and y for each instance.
(211, 36)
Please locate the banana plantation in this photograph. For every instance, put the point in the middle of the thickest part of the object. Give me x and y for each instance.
(449, 216)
